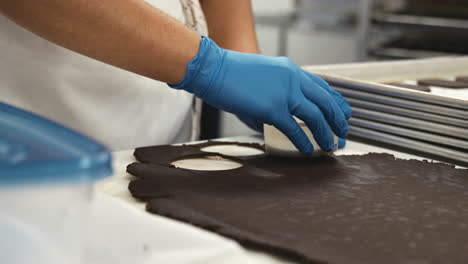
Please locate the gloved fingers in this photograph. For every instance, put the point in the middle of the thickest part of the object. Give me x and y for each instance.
(341, 143)
(327, 105)
(340, 100)
(317, 79)
(251, 123)
(293, 131)
(315, 121)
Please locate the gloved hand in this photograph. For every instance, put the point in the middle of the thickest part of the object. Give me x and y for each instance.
(341, 143)
(258, 126)
(252, 123)
(270, 90)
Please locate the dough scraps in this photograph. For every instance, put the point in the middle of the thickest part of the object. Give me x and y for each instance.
(358, 209)
(443, 83)
(463, 79)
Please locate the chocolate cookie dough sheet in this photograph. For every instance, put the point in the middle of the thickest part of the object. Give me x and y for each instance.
(370, 208)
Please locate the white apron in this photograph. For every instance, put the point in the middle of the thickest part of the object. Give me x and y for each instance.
(121, 109)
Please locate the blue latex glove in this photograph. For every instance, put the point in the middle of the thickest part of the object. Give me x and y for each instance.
(258, 126)
(269, 90)
(252, 123)
(341, 143)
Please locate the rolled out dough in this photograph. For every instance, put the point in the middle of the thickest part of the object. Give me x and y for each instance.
(354, 209)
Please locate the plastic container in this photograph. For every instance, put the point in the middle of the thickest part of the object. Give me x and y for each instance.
(276, 143)
(46, 177)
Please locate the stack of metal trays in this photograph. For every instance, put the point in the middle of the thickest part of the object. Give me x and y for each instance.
(407, 103)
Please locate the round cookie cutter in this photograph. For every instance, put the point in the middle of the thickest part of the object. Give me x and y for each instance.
(276, 143)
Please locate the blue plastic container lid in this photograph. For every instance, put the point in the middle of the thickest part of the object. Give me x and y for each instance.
(36, 150)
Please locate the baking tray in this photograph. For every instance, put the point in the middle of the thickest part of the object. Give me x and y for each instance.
(412, 123)
(397, 110)
(371, 76)
(399, 92)
(434, 123)
(460, 157)
(410, 133)
(403, 103)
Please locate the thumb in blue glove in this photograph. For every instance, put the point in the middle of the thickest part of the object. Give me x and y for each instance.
(269, 89)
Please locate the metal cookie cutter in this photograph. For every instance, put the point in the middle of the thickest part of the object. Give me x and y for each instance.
(276, 143)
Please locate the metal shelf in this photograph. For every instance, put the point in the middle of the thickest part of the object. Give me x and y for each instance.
(429, 22)
(420, 21)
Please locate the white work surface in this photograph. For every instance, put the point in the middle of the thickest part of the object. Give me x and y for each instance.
(121, 231)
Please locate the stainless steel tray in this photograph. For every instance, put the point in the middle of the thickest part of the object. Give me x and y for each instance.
(411, 123)
(399, 92)
(415, 134)
(370, 77)
(397, 110)
(411, 144)
(435, 123)
(403, 103)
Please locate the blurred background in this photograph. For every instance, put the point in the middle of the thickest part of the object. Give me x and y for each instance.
(313, 32)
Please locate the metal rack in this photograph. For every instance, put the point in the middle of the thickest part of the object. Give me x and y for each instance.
(414, 29)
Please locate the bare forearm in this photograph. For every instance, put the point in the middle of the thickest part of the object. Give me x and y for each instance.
(231, 24)
(129, 34)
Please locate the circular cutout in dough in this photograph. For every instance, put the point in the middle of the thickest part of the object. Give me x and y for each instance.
(233, 150)
(209, 163)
